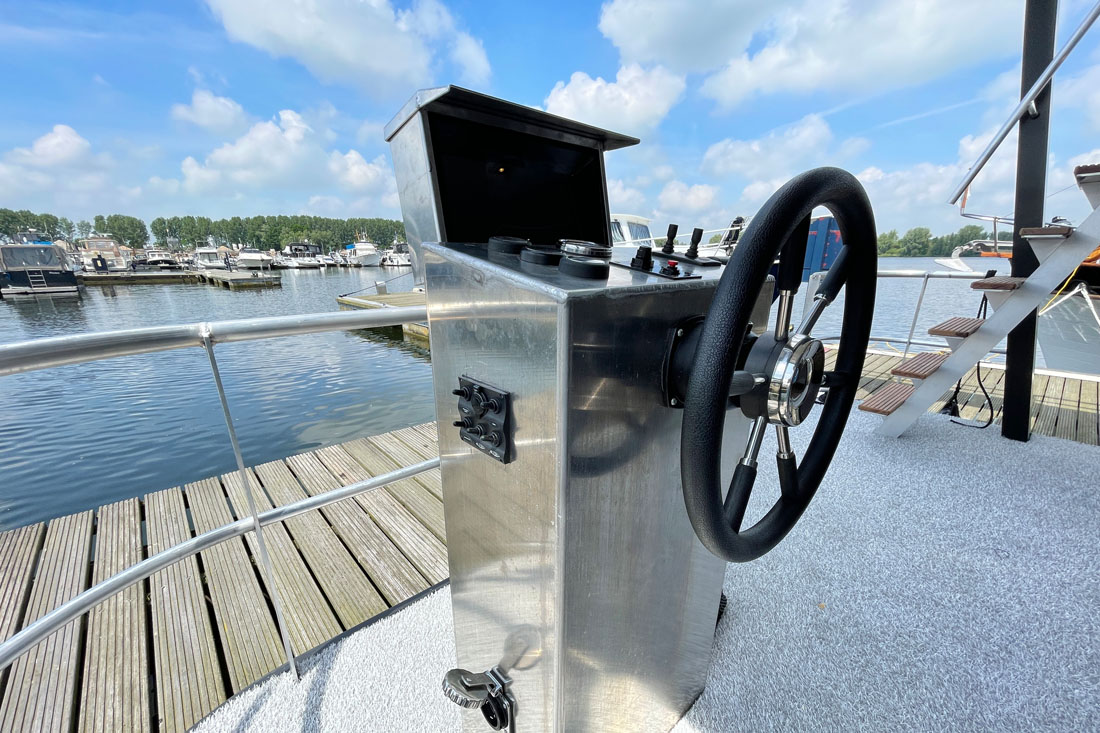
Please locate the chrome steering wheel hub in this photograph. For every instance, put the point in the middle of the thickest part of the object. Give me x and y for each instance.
(795, 379)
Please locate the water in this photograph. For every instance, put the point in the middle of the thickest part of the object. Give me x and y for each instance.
(77, 437)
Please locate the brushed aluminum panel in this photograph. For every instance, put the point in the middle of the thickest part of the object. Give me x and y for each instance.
(579, 550)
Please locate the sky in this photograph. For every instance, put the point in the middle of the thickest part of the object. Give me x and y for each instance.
(243, 107)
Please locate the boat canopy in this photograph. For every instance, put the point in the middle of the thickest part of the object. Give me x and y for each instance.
(22, 256)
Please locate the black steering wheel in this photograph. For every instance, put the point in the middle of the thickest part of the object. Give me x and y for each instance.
(780, 372)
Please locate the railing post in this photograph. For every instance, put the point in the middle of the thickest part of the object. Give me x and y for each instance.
(916, 314)
(265, 559)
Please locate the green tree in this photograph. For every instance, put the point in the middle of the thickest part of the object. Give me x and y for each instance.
(100, 223)
(83, 228)
(65, 228)
(128, 230)
(888, 243)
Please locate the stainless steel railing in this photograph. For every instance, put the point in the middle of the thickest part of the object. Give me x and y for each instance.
(62, 350)
(1026, 102)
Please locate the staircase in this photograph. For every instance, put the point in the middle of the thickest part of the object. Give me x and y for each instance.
(1059, 249)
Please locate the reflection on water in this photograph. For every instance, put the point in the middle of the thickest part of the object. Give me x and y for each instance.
(80, 436)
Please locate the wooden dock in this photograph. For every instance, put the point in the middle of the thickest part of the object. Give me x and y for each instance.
(1063, 405)
(416, 331)
(240, 279)
(164, 653)
(141, 277)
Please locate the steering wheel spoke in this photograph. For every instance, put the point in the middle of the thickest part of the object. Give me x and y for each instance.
(737, 498)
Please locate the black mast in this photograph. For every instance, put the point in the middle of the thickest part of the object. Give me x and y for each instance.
(1031, 166)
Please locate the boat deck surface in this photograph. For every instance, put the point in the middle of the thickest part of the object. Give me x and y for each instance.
(164, 653)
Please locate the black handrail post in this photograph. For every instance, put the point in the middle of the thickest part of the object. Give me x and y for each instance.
(1040, 18)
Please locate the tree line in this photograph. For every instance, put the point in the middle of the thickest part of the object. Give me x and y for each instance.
(919, 242)
(188, 232)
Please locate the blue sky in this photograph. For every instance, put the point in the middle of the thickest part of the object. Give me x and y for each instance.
(241, 107)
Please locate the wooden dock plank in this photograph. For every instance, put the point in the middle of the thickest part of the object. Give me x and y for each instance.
(115, 694)
(1066, 426)
(189, 678)
(1049, 401)
(389, 570)
(974, 407)
(415, 541)
(399, 453)
(41, 693)
(19, 550)
(416, 496)
(309, 618)
(346, 586)
(1087, 422)
(246, 627)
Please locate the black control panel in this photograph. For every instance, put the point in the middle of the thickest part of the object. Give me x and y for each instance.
(484, 418)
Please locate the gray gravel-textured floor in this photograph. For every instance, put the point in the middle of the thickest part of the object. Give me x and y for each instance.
(946, 580)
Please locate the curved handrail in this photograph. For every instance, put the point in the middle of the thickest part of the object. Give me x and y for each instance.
(36, 631)
(26, 356)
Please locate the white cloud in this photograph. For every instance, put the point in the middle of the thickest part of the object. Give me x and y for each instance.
(60, 146)
(634, 103)
(623, 198)
(683, 38)
(58, 167)
(679, 197)
(811, 46)
(355, 173)
(287, 155)
(780, 150)
(1082, 91)
(212, 113)
(469, 56)
(365, 44)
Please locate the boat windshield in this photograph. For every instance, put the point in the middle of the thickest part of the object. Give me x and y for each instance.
(617, 232)
(638, 231)
(29, 256)
(106, 247)
(207, 257)
(250, 251)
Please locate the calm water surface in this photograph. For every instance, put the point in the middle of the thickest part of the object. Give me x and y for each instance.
(76, 437)
(79, 436)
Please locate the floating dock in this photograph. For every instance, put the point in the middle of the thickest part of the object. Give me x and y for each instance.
(417, 331)
(240, 279)
(167, 651)
(163, 277)
(235, 280)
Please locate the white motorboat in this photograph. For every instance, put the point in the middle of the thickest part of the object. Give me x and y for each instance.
(161, 260)
(397, 256)
(92, 248)
(364, 254)
(304, 255)
(251, 258)
(208, 258)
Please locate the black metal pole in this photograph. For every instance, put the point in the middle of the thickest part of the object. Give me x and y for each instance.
(1031, 166)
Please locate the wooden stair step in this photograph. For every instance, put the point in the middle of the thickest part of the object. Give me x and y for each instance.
(1001, 282)
(957, 327)
(1056, 232)
(920, 366)
(887, 399)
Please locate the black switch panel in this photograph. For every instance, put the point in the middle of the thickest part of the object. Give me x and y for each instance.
(485, 418)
